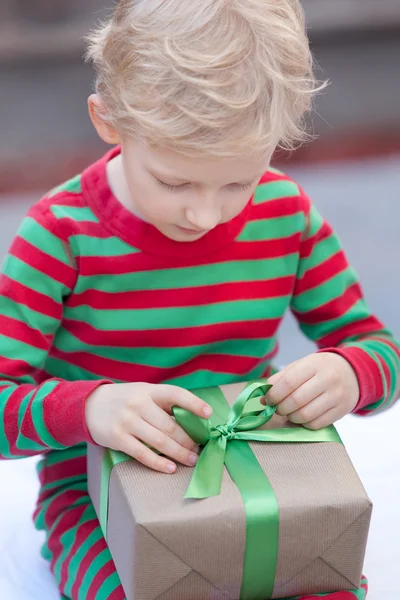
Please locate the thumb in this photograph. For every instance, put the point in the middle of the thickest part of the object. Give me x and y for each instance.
(167, 396)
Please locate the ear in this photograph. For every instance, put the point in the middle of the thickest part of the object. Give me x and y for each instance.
(97, 113)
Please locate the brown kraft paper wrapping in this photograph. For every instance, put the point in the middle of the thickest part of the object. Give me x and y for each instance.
(168, 548)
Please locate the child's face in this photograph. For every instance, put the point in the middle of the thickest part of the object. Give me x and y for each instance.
(185, 198)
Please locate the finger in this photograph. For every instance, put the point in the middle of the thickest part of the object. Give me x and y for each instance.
(302, 396)
(328, 418)
(147, 457)
(167, 396)
(292, 377)
(164, 444)
(158, 418)
(313, 410)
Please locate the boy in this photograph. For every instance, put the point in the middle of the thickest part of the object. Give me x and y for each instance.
(169, 264)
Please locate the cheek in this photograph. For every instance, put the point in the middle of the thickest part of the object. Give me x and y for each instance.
(152, 201)
(234, 205)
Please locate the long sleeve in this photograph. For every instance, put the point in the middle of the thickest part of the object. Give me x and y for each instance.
(36, 414)
(330, 308)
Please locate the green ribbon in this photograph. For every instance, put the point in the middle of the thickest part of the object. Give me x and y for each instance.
(224, 437)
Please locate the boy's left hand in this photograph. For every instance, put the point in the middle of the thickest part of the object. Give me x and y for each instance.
(315, 391)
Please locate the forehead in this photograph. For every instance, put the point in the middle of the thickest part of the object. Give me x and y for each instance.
(210, 170)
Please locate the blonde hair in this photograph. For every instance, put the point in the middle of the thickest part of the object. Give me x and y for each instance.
(214, 77)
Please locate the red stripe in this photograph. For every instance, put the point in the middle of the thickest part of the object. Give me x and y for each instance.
(344, 595)
(141, 261)
(83, 531)
(307, 245)
(358, 328)
(17, 369)
(10, 417)
(20, 331)
(333, 309)
(93, 552)
(269, 176)
(65, 198)
(193, 296)
(42, 262)
(173, 338)
(388, 342)
(27, 426)
(318, 275)
(86, 228)
(67, 522)
(274, 209)
(116, 370)
(74, 467)
(62, 502)
(98, 580)
(21, 294)
(386, 372)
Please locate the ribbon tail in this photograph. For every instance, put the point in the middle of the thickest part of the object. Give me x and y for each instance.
(207, 477)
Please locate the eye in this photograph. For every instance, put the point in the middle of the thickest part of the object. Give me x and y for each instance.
(171, 188)
(241, 186)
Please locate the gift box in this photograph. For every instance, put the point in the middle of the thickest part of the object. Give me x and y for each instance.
(271, 510)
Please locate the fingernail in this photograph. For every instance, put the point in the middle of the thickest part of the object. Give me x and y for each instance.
(171, 468)
(207, 411)
(193, 458)
(196, 449)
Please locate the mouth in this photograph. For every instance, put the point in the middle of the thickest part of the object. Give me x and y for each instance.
(193, 232)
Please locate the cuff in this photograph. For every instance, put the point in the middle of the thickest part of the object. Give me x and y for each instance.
(64, 411)
(367, 371)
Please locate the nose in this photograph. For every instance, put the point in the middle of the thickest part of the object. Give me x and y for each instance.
(204, 216)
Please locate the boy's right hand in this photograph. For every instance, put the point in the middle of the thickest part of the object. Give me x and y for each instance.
(126, 416)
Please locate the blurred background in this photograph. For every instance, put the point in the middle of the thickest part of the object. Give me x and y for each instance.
(352, 170)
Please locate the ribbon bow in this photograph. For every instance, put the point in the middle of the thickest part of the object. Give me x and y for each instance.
(234, 424)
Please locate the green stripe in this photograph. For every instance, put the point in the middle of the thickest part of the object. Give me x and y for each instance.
(14, 350)
(316, 221)
(38, 281)
(108, 586)
(84, 245)
(96, 565)
(213, 274)
(181, 317)
(63, 369)
(274, 190)
(73, 186)
(67, 541)
(272, 229)
(78, 557)
(56, 458)
(41, 238)
(8, 308)
(202, 378)
(319, 330)
(374, 348)
(37, 414)
(76, 213)
(330, 290)
(322, 251)
(199, 378)
(5, 396)
(165, 357)
(25, 379)
(276, 171)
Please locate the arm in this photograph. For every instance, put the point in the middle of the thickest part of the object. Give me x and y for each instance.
(328, 304)
(36, 277)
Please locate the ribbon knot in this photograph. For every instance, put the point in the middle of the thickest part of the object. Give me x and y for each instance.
(223, 430)
(229, 426)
